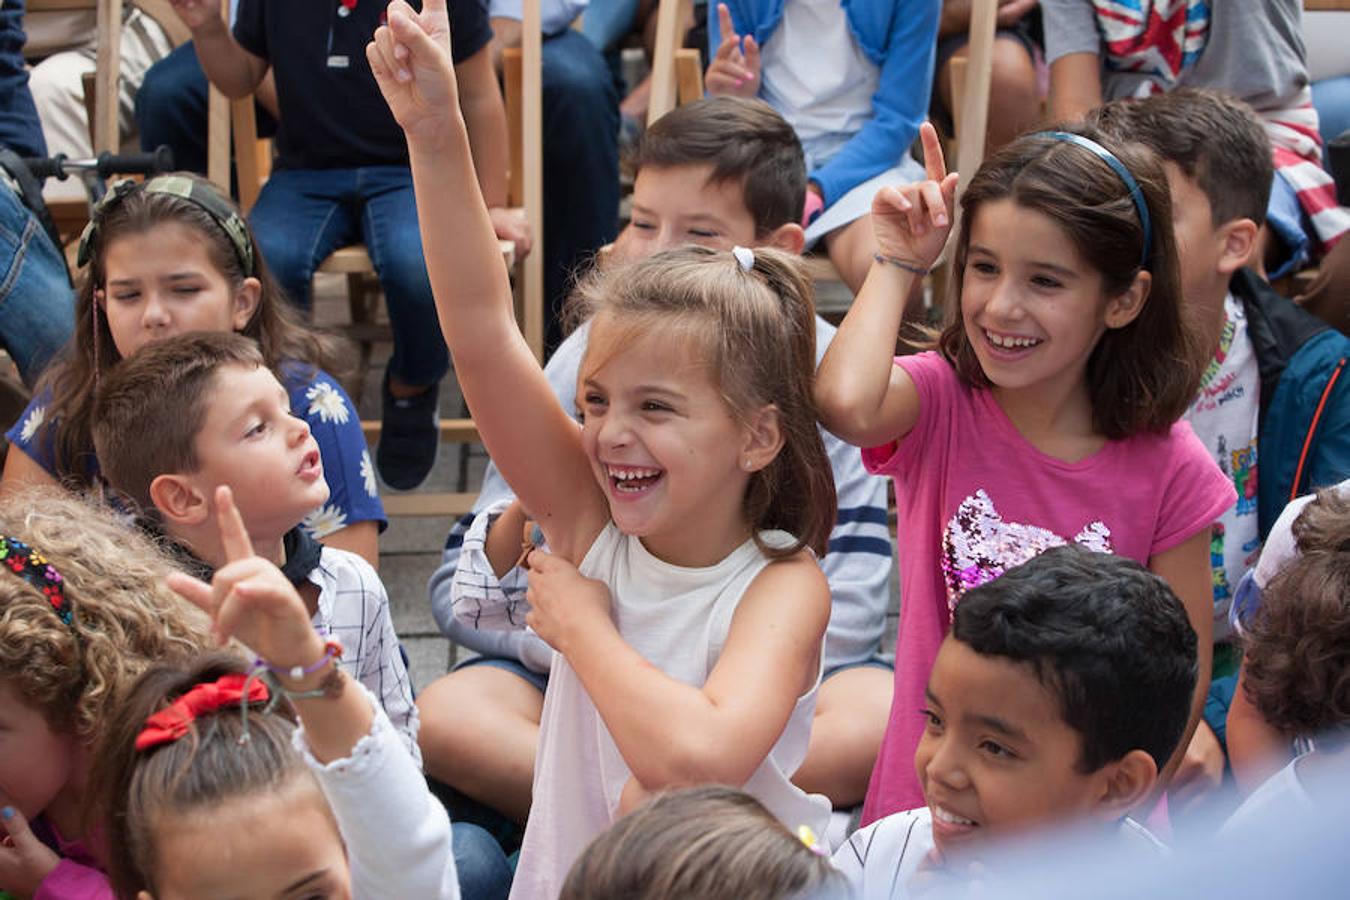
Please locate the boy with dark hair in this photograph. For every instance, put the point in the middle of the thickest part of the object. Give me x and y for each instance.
(1062, 689)
(1275, 397)
(190, 413)
(719, 172)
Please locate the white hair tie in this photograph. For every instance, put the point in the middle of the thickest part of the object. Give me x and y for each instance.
(745, 256)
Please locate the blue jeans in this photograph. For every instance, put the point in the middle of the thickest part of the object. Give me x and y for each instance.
(171, 109)
(303, 215)
(581, 163)
(20, 130)
(37, 305)
(607, 22)
(484, 873)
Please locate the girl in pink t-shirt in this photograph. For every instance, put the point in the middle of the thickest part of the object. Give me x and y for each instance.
(1047, 412)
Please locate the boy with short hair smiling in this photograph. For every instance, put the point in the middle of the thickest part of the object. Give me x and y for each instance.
(719, 172)
(190, 413)
(1061, 690)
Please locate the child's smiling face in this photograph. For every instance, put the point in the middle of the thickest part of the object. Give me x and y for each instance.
(996, 755)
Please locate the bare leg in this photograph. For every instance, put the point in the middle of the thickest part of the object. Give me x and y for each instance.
(1014, 102)
(480, 731)
(851, 713)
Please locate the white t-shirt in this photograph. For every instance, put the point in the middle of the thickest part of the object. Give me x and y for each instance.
(892, 858)
(1225, 416)
(815, 74)
(1281, 795)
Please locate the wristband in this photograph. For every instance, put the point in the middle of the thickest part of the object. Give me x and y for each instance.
(332, 650)
(899, 263)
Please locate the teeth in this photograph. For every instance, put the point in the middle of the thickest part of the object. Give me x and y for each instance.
(949, 818)
(625, 474)
(1010, 342)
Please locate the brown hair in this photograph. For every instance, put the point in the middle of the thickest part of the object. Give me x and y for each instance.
(707, 842)
(744, 141)
(1141, 377)
(1297, 666)
(757, 332)
(1212, 137)
(123, 618)
(208, 766)
(150, 409)
(91, 352)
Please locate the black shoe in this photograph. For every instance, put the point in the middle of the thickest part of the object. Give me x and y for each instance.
(409, 437)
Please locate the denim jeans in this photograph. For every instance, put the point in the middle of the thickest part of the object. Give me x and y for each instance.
(303, 215)
(581, 164)
(171, 109)
(484, 873)
(37, 305)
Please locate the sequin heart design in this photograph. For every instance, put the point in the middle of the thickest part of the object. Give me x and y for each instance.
(978, 546)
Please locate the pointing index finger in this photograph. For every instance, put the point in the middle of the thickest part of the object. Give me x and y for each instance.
(234, 537)
(933, 162)
(724, 22)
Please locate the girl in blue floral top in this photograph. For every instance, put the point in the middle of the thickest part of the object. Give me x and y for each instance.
(167, 257)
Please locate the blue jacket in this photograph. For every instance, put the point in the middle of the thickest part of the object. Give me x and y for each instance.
(1303, 441)
(900, 37)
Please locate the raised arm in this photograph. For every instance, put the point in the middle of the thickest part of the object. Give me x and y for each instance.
(230, 67)
(863, 397)
(671, 733)
(534, 442)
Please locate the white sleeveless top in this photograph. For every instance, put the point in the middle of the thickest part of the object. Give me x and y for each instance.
(678, 619)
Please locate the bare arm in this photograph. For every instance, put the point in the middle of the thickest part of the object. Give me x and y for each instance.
(519, 418)
(230, 67)
(485, 118)
(1075, 86)
(361, 538)
(862, 396)
(1186, 569)
(505, 34)
(1256, 750)
(671, 733)
(21, 471)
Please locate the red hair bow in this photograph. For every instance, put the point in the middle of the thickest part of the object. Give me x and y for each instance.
(171, 723)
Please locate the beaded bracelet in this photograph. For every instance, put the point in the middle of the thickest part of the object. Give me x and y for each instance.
(332, 650)
(901, 264)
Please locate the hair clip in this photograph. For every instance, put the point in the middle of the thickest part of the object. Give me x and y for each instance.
(808, 837)
(745, 256)
(32, 567)
(172, 722)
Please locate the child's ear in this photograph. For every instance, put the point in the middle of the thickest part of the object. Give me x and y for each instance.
(179, 501)
(763, 439)
(1237, 241)
(1124, 308)
(787, 237)
(1128, 781)
(246, 299)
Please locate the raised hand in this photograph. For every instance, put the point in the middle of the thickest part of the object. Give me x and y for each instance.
(24, 860)
(250, 599)
(911, 222)
(562, 600)
(410, 58)
(197, 14)
(735, 69)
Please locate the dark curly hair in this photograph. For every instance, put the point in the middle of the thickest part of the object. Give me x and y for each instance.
(1297, 666)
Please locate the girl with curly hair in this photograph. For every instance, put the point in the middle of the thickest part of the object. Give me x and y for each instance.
(83, 612)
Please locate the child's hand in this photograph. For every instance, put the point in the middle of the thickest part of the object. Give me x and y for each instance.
(510, 224)
(562, 600)
(735, 69)
(197, 14)
(24, 860)
(249, 598)
(410, 58)
(911, 223)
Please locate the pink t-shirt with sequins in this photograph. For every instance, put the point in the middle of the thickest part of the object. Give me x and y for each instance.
(976, 498)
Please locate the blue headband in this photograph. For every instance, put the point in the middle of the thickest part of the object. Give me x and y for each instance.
(1106, 156)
